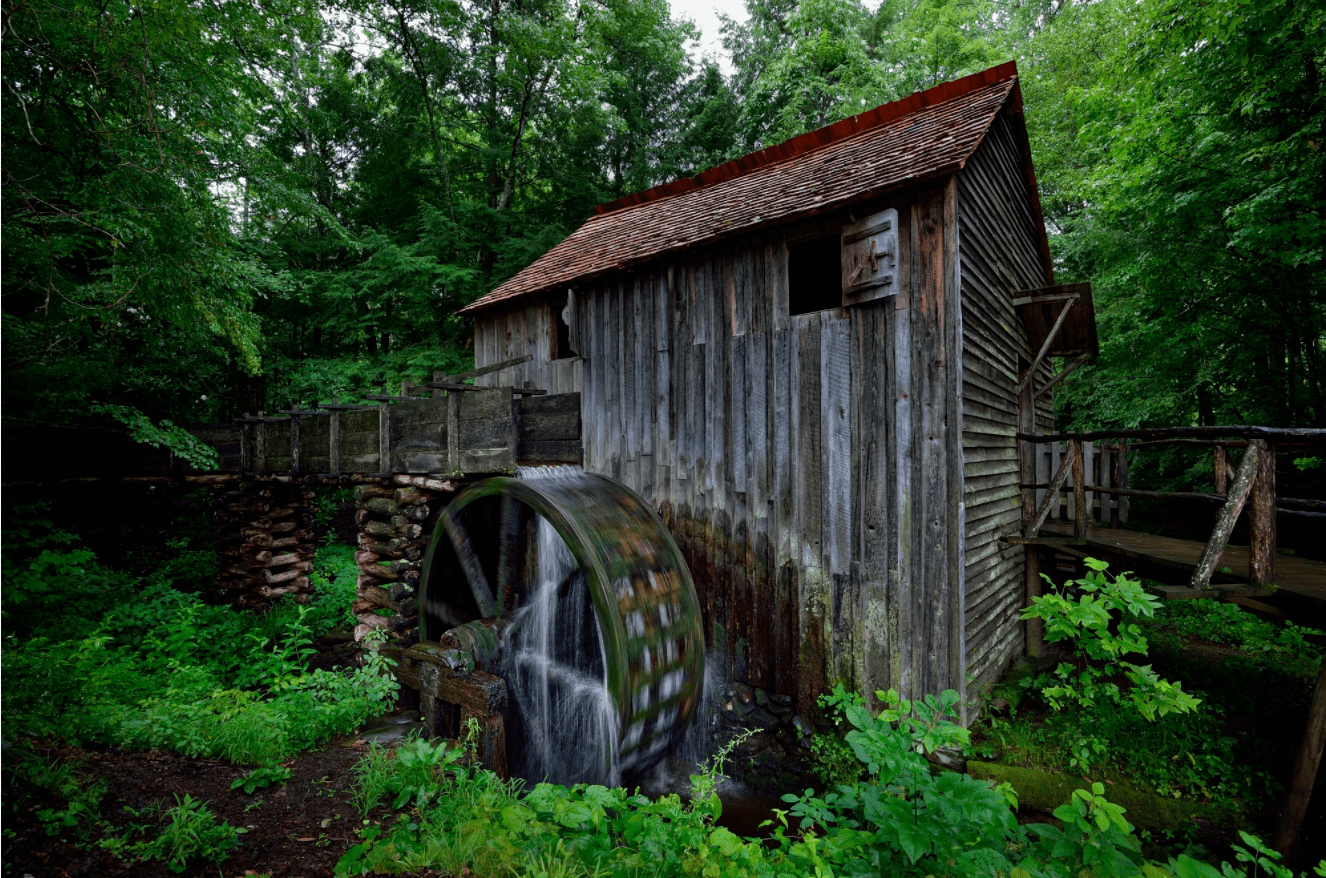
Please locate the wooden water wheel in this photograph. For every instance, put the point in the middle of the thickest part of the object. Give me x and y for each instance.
(484, 560)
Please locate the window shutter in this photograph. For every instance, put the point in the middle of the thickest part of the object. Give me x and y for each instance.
(572, 325)
(870, 258)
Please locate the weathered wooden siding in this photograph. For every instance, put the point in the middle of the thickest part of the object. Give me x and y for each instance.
(525, 329)
(809, 465)
(999, 255)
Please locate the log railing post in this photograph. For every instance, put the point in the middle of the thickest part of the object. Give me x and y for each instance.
(1079, 489)
(334, 438)
(453, 431)
(1107, 500)
(1261, 514)
(294, 445)
(384, 433)
(1220, 463)
(1121, 480)
(1051, 498)
(245, 445)
(1056, 464)
(1035, 631)
(260, 443)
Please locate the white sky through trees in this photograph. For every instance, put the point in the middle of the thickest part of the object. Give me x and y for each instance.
(705, 15)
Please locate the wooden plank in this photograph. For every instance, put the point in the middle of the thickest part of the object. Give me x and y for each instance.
(810, 456)
(835, 416)
(645, 359)
(545, 451)
(1079, 489)
(1306, 764)
(629, 369)
(777, 295)
(549, 417)
(930, 361)
(593, 385)
(738, 394)
(903, 446)
(716, 380)
(955, 511)
(783, 374)
(1215, 590)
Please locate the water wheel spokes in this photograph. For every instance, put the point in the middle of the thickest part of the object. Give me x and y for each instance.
(589, 553)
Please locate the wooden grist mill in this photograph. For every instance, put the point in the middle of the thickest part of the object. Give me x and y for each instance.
(815, 361)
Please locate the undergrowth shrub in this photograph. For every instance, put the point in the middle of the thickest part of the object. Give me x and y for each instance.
(1113, 717)
(1292, 649)
(142, 663)
(899, 818)
(191, 833)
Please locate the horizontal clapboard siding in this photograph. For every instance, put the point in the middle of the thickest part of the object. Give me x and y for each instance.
(999, 256)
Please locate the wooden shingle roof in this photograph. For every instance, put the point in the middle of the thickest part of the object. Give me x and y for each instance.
(926, 135)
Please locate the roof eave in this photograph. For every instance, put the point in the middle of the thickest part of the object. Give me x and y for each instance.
(627, 265)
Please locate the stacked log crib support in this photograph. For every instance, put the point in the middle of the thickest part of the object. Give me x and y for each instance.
(264, 541)
(395, 518)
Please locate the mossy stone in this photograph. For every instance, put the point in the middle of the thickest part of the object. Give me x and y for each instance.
(1042, 790)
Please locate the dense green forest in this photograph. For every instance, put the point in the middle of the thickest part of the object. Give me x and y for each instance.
(211, 208)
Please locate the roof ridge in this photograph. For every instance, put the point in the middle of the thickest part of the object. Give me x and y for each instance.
(811, 140)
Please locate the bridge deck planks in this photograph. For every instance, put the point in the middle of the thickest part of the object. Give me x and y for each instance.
(1296, 575)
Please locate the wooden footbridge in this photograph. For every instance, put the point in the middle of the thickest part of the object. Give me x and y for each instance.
(1083, 507)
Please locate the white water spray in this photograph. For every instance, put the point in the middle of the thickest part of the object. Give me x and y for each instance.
(556, 667)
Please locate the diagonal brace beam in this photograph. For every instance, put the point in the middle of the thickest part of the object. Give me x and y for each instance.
(1045, 347)
(1229, 515)
(1051, 496)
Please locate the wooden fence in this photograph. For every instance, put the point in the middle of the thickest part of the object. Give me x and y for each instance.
(1083, 478)
(443, 428)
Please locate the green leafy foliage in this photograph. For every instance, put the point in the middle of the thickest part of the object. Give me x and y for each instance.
(177, 440)
(1116, 718)
(138, 666)
(191, 833)
(1088, 623)
(1286, 646)
(77, 799)
(262, 777)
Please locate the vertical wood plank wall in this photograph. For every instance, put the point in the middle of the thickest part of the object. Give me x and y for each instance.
(999, 256)
(809, 465)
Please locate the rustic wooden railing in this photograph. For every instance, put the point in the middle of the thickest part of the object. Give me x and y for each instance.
(1084, 478)
(442, 428)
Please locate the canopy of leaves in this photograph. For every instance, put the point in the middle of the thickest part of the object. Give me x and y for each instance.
(211, 208)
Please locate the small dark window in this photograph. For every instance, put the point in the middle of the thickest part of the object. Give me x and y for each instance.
(814, 275)
(561, 334)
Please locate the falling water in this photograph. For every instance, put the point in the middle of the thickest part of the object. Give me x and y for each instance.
(556, 667)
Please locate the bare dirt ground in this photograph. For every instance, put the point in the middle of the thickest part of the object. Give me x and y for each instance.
(299, 829)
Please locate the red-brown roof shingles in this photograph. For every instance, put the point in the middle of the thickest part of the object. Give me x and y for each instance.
(929, 134)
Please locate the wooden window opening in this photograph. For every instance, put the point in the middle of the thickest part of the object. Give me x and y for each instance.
(559, 335)
(814, 275)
